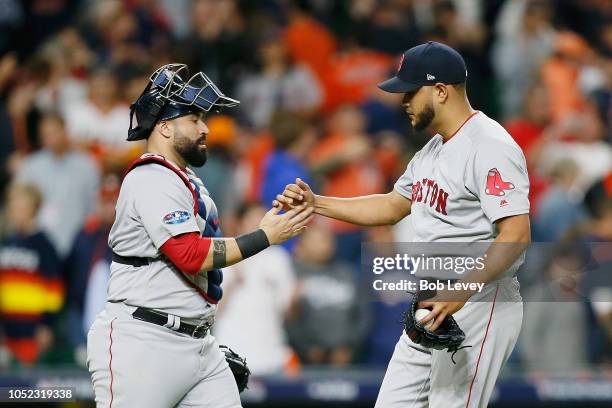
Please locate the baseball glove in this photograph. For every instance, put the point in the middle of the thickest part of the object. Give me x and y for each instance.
(448, 336)
(238, 366)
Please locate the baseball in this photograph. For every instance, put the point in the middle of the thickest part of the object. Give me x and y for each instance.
(421, 313)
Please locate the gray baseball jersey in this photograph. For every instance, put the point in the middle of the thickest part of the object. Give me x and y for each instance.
(155, 204)
(459, 188)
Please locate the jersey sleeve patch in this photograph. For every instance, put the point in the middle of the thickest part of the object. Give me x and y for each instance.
(176, 217)
(501, 180)
(496, 185)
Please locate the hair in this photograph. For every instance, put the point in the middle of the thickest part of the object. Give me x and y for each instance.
(30, 190)
(286, 128)
(460, 87)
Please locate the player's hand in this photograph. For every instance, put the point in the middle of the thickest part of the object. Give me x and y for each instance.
(294, 195)
(442, 308)
(281, 227)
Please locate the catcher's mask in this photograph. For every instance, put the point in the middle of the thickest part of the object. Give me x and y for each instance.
(167, 96)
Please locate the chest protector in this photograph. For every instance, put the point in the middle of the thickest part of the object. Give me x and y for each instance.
(203, 206)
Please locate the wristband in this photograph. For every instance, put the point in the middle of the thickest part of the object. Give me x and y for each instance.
(252, 243)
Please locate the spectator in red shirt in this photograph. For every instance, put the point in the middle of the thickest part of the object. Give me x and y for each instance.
(527, 130)
(528, 127)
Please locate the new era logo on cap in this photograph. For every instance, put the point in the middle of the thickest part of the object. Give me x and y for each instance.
(430, 77)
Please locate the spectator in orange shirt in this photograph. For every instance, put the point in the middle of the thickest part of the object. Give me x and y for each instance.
(560, 74)
(251, 165)
(311, 43)
(307, 40)
(345, 159)
(355, 72)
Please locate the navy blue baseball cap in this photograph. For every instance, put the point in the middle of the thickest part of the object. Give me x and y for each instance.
(426, 64)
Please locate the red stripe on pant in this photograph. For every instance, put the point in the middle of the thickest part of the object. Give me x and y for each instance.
(481, 348)
(110, 362)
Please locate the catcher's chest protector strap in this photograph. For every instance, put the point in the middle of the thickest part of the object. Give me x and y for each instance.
(161, 160)
(214, 277)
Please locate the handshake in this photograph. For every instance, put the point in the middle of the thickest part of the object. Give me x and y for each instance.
(297, 200)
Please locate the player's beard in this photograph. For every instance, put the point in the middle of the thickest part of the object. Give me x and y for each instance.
(190, 150)
(424, 118)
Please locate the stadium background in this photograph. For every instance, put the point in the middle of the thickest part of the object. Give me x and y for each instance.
(305, 72)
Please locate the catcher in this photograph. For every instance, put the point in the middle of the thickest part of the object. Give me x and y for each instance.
(151, 346)
(468, 184)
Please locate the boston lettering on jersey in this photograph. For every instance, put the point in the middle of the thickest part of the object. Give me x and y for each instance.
(427, 191)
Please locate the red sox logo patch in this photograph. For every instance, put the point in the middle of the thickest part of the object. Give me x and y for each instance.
(496, 186)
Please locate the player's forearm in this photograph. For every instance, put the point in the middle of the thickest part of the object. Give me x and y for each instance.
(501, 255)
(223, 252)
(228, 251)
(367, 210)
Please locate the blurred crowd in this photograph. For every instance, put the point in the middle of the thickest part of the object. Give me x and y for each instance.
(306, 74)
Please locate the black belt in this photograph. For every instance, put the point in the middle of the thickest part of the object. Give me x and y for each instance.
(132, 260)
(162, 319)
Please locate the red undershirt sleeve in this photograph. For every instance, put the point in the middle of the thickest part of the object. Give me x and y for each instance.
(187, 251)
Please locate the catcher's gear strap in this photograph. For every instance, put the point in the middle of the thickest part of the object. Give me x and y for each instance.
(161, 160)
(252, 243)
(136, 261)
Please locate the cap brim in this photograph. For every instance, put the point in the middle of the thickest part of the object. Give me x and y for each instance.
(396, 85)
